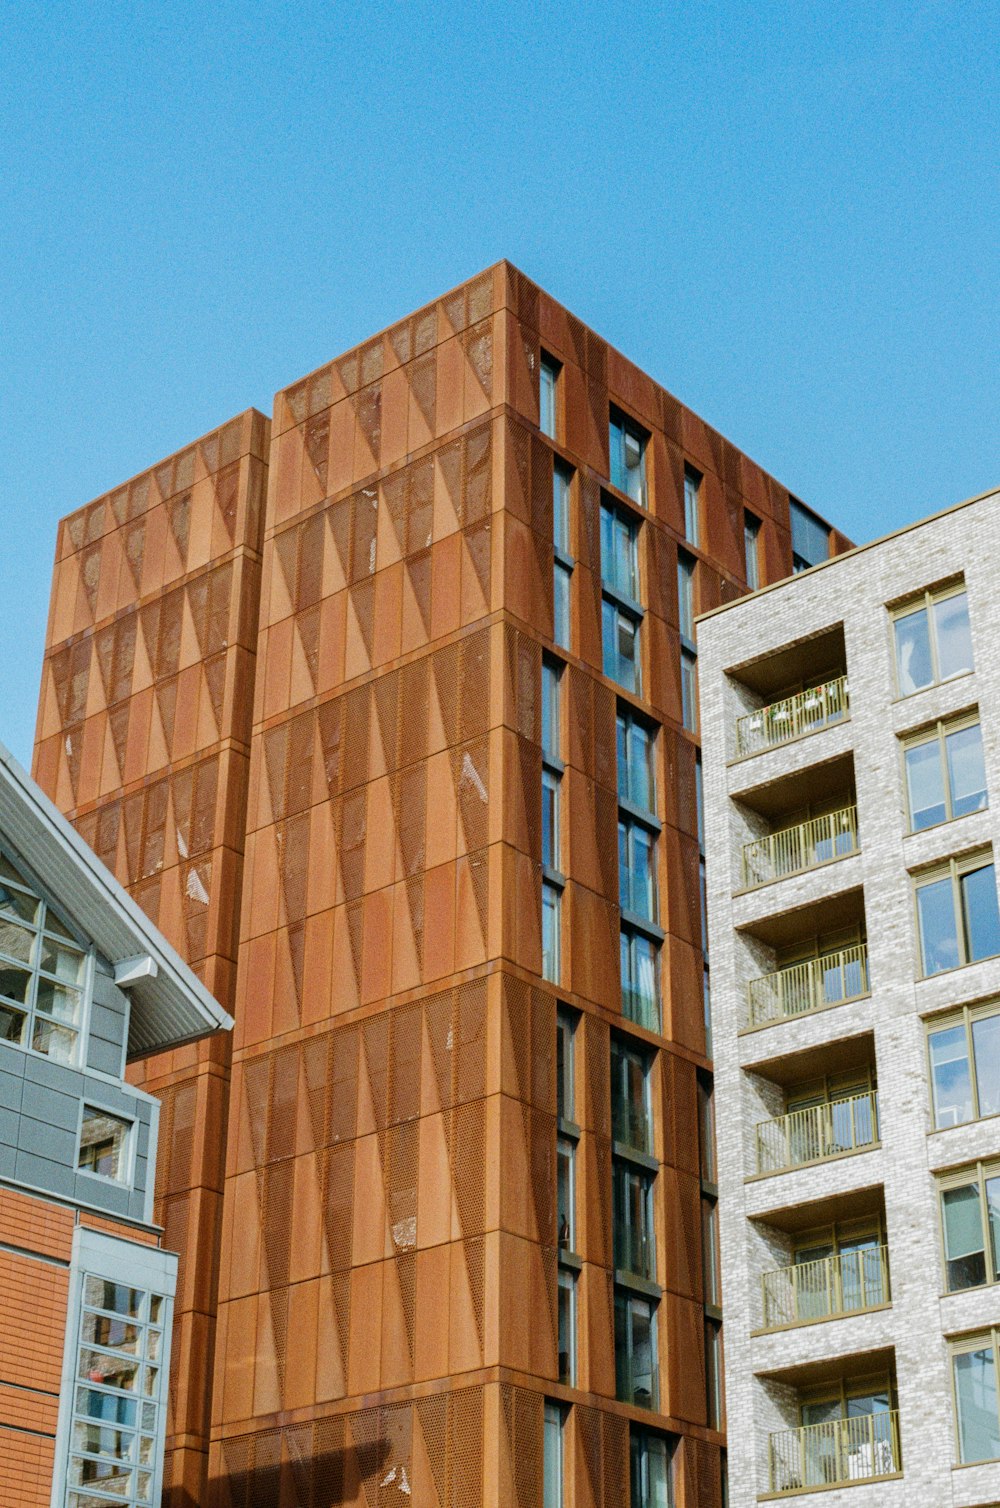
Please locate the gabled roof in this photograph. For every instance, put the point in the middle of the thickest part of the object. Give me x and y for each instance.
(170, 1005)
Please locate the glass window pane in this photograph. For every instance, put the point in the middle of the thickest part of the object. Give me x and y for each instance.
(561, 605)
(965, 1260)
(966, 770)
(548, 372)
(685, 595)
(550, 708)
(15, 904)
(986, 1050)
(550, 819)
(564, 1067)
(976, 1402)
(925, 785)
(103, 1143)
(58, 1001)
(979, 913)
(810, 536)
(14, 982)
(993, 1224)
(938, 935)
(751, 548)
(561, 482)
(692, 484)
(689, 689)
(954, 642)
(16, 941)
(56, 1042)
(641, 767)
(913, 652)
(564, 1195)
(66, 963)
(12, 1024)
(951, 1081)
(567, 1326)
(550, 933)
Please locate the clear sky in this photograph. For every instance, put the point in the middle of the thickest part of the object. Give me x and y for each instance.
(786, 211)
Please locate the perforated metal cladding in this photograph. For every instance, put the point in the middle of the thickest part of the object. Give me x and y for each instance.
(360, 1127)
(427, 1452)
(521, 1447)
(321, 772)
(603, 1454)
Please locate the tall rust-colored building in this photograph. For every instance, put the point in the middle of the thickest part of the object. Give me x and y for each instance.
(405, 761)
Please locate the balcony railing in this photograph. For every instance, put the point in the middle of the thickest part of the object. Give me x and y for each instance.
(806, 712)
(817, 1133)
(809, 986)
(835, 1454)
(804, 846)
(847, 1282)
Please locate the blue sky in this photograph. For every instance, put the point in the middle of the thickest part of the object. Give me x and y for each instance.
(786, 212)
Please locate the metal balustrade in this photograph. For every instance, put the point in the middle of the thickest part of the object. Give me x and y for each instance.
(846, 1282)
(817, 1133)
(804, 846)
(809, 986)
(835, 1453)
(806, 712)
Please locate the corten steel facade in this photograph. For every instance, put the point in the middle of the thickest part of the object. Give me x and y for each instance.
(856, 980)
(366, 1196)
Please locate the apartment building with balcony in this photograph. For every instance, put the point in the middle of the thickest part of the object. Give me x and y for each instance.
(387, 710)
(87, 1283)
(851, 735)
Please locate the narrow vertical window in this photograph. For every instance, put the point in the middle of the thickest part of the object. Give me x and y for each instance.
(563, 562)
(751, 550)
(566, 1294)
(550, 818)
(692, 505)
(810, 537)
(551, 689)
(548, 395)
(628, 456)
(551, 944)
(689, 689)
(553, 1453)
(565, 1075)
(685, 594)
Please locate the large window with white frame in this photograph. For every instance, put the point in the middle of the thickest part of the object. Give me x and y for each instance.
(45, 972)
(932, 638)
(964, 1054)
(975, 1363)
(945, 772)
(119, 1400)
(957, 918)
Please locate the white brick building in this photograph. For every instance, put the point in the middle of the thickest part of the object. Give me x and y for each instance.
(851, 731)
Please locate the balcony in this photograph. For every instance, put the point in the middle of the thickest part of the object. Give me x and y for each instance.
(817, 1133)
(793, 717)
(831, 979)
(837, 1453)
(807, 845)
(848, 1282)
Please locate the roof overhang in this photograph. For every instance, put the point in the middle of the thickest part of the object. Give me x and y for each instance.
(170, 1005)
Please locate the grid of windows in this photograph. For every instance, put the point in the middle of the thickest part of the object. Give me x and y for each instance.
(957, 917)
(44, 973)
(932, 638)
(964, 1052)
(945, 773)
(628, 456)
(119, 1396)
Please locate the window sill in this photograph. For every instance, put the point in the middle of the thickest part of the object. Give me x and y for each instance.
(569, 1259)
(637, 923)
(640, 813)
(636, 1284)
(632, 1154)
